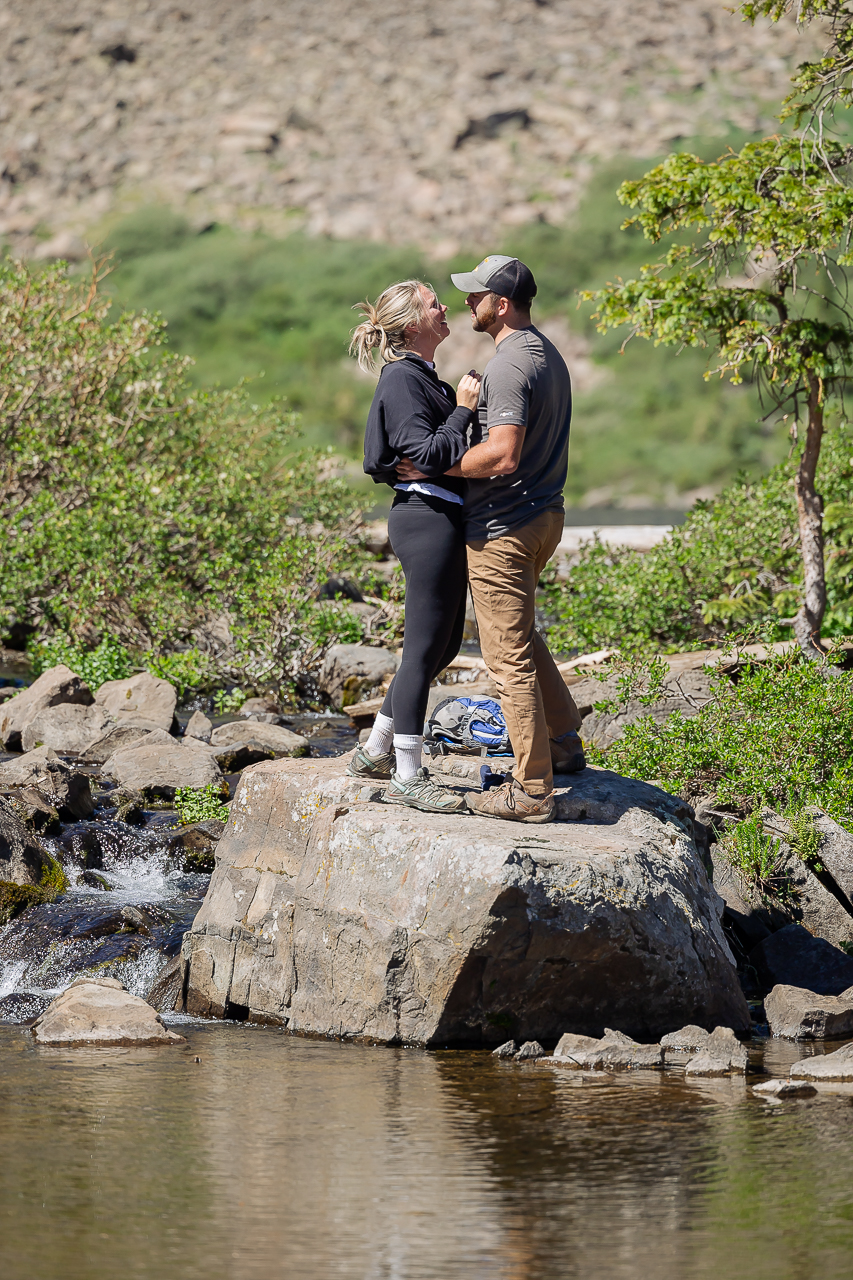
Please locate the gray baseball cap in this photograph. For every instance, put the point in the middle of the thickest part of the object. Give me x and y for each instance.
(500, 274)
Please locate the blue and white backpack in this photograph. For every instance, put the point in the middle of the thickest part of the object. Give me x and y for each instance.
(472, 726)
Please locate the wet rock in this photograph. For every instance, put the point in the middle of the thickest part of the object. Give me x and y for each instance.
(619, 1054)
(798, 1014)
(793, 957)
(69, 727)
(23, 860)
(685, 1040)
(34, 810)
(784, 1089)
(167, 989)
(68, 790)
(101, 1011)
(831, 1066)
(129, 806)
(119, 736)
(437, 928)
(91, 880)
(354, 672)
(53, 688)
(507, 1050)
(260, 707)
(160, 768)
(198, 726)
(142, 695)
(270, 738)
(530, 1051)
(721, 1055)
(570, 1045)
(197, 843)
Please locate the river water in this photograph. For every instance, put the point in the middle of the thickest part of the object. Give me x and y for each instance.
(274, 1157)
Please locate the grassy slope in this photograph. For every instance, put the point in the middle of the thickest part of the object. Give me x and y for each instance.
(243, 305)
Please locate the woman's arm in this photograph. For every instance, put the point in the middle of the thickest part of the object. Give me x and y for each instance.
(414, 432)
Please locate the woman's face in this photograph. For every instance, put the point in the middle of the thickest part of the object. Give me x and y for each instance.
(434, 323)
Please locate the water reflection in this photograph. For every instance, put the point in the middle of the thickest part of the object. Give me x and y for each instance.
(279, 1157)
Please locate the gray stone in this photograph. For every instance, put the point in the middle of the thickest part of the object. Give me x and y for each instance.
(23, 860)
(100, 1011)
(812, 904)
(835, 852)
(745, 909)
(623, 1054)
(142, 695)
(793, 957)
(165, 992)
(68, 790)
(119, 736)
(570, 1045)
(507, 1050)
(353, 672)
(260, 706)
(684, 692)
(271, 737)
(798, 1014)
(54, 687)
(68, 727)
(830, 1066)
(344, 917)
(530, 1051)
(784, 1089)
(198, 726)
(721, 1055)
(687, 1040)
(160, 768)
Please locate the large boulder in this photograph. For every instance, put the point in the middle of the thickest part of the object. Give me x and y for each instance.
(835, 853)
(352, 672)
(68, 790)
(68, 727)
(829, 1066)
(274, 738)
(793, 957)
(100, 1011)
(116, 737)
(143, 695)
(54, 687)
(159, 765)
(798, 1014)
(333, 913)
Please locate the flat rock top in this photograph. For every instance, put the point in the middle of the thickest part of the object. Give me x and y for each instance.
(101, 1011)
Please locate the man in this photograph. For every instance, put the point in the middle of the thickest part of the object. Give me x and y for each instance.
(513, 524)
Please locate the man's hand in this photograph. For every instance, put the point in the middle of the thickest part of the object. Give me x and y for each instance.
(407, 471)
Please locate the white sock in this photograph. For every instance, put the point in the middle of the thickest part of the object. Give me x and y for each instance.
(408, 748)
(381, 735)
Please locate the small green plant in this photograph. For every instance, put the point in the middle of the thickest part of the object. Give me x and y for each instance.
(752, 852)
(109, 660)
(200, 804)
(228, 701)
(332, 622)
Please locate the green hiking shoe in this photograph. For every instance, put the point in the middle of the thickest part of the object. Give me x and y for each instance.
(421, 792)
(364, 766)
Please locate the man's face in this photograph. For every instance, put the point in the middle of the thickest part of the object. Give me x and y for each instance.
(484, 310)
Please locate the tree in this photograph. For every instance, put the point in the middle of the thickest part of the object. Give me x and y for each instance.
(761, 281)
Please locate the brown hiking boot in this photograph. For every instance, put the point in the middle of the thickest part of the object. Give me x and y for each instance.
(567, 753)
(511, 803)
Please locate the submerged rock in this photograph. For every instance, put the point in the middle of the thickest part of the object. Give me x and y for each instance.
(721, 1055)
(798, 1014)
(339, 915)
(794, 957)
(101, 1011)
(69, 727)
(507, 1050)
(784, 1089)
(54, 687)
(142, 695)
(614, 1052)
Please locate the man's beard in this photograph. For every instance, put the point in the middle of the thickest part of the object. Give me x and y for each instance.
(485, 315)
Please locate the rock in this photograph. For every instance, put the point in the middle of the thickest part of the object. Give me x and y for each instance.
(29, 874)
(68, 727)
(835, 852)
(239, 755)
(570, 1046)
(798, 1014)
(160, 768)
(784, 1089)
(621, 1054)
(830, 1066)
(687, 1040)
(353, 672)
(260, 706)
(197, 844)
(91, 880)
(142, 695)
(530, 1051)
(120, 735)
(101, 1011)
(166, 990)
(337, 915)
(269, 737)
(507, 1050)
(198, 726)
(685, 692)
(812, 904)
(66, 789)
(34, 810)
(721, 1055)
(54, 687)
(793, 957)
(744, 909)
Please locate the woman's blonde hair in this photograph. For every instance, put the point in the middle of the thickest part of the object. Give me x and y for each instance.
(386, 321)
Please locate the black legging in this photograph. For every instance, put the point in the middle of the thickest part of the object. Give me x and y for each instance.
(428, 537)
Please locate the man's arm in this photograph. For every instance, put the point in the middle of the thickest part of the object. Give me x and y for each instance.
(497, 456)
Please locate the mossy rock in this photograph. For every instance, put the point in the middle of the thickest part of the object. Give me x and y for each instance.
(15, 898)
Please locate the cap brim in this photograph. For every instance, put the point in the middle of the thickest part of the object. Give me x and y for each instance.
(468, 282)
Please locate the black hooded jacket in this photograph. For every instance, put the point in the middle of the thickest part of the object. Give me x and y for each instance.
(414, 415)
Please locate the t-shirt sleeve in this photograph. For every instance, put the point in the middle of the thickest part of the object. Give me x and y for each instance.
(507, 394)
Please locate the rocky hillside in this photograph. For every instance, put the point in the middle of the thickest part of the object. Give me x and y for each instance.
(398, 121)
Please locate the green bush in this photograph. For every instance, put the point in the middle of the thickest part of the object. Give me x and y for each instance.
(734, 562)
(200, 804)
(109, 660)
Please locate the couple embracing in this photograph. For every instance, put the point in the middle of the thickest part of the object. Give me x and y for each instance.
(478, 476)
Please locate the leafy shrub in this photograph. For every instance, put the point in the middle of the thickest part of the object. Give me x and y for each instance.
(754, 852)
(735, 561)
(109, 660)
(200, 804)
(189, 670)
(334, 623)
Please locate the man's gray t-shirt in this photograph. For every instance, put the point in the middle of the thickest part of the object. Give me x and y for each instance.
(526, 384)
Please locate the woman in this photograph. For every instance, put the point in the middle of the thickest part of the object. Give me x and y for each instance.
(417, 416)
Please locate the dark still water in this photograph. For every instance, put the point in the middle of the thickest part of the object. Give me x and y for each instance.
(279, 1157)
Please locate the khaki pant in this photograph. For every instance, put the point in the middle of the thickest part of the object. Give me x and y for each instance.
(537, 705)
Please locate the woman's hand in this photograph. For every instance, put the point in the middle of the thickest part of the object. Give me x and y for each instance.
(468, 390)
